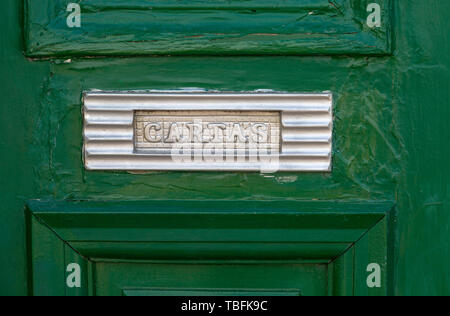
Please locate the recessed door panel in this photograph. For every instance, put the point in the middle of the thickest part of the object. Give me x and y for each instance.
(197, 279)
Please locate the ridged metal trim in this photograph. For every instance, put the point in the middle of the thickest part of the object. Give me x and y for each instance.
(109, 140)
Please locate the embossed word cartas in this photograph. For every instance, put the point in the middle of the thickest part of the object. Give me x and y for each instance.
(207, 131)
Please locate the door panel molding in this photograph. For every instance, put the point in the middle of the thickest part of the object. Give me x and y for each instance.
(256, 27)
(346, 236)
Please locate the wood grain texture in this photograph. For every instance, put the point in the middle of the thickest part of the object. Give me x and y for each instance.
(257, 27)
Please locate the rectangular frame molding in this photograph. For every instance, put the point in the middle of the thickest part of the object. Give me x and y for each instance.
(345, 236)
(207, 27)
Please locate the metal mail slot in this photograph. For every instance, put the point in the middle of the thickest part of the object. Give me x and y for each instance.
(208, 131)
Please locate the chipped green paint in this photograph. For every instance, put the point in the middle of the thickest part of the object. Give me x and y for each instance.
(354, 165)
(391, 135)
(205, 27)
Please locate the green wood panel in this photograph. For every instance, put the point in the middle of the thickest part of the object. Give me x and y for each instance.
(391, 122)
(46, 264)
(253, 236)
(366, 160)
(140, 27)
(211, 251)
(210, 229)
(225, 221)
(71, 257)
(371, 249)
(343, 270)
(114, 278)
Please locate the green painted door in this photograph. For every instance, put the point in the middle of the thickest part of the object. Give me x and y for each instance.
(377, 224)
(207, 248)
(210, 279)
